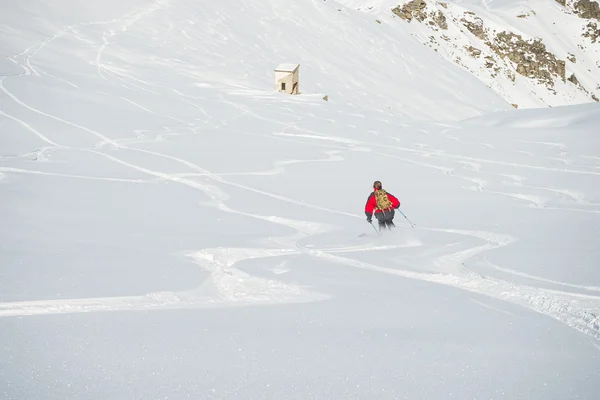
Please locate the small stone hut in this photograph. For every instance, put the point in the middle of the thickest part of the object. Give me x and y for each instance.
(287, 78)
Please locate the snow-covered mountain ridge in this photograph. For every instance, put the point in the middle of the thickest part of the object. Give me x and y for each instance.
(535, 53)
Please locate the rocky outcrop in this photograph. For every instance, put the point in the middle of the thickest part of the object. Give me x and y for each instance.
(474, 24)
(573, 79)
(416, 9)
(500, 56)
(413, 9)
(531, 57)
(592, 32)
(588, 9)
(475, 52)
(440, 19)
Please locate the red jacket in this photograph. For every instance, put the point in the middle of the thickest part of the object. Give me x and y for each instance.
(372, 203)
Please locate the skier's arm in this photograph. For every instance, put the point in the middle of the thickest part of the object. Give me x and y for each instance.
(394, 200)
(370, 206)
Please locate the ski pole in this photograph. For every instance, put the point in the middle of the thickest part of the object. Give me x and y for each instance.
(411, 224)
(374, 227)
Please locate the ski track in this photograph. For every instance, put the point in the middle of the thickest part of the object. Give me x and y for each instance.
(491, 265)
(228, 285)
(486, 305)
(31, 172)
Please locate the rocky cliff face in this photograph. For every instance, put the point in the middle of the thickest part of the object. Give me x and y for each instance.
(552, 66)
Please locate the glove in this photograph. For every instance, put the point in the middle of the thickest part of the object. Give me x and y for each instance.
(369, 219)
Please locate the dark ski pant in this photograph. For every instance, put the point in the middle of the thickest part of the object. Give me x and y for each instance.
(385, 218)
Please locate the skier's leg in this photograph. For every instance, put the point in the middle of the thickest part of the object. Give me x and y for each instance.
(389, 219)
(385, 218)
(380, 219)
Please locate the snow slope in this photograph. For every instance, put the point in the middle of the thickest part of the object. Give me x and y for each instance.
(464, 32)
(236, 47)
(173, 228)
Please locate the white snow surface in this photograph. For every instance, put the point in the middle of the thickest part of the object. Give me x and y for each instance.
(174, 228)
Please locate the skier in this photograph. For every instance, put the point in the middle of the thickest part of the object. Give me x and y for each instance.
(383, 204)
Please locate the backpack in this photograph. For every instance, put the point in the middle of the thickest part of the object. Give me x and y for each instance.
(382, 200)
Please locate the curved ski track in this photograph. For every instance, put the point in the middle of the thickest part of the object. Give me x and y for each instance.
(228, 285)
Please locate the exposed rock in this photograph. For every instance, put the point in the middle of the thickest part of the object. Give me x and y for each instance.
(515, 105)
(416, 9)
(475, 52)
(530, 56)
(527, 14)
(413, 9)
(440, 20)
(504, 54)
(573, 79)
(591, 31)
(587, 9)
(476, 28)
